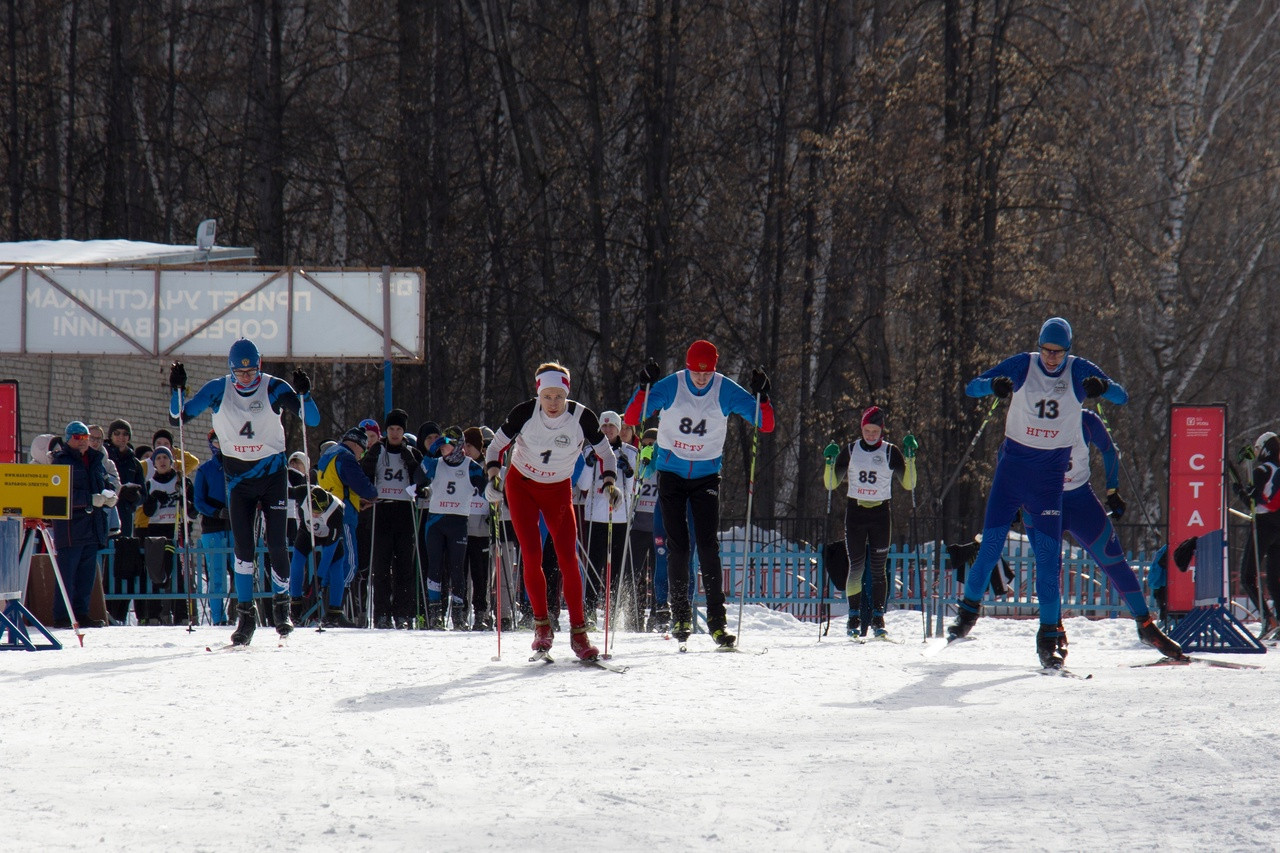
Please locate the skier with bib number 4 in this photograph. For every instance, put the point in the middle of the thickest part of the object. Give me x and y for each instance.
(695, 405)
(1046, 390)
(548, 434)
(869, 465)
(247, 407)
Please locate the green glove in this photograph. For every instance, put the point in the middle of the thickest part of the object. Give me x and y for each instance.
(646, 454)
(831, 452)
(1245, 454)
(910, 446)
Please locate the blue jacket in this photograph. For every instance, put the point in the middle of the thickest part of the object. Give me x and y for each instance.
(88, 524)
(210, 494)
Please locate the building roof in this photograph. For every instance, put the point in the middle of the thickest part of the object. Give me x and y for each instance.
(116, 253)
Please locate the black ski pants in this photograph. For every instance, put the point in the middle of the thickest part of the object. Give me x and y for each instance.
(867, 531)
(394, 572)
(1268, 525)
(697, 500)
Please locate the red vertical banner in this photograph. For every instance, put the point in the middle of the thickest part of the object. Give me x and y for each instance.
(1197, 488)
(9, 421)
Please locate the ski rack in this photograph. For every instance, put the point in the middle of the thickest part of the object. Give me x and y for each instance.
(1211, 626)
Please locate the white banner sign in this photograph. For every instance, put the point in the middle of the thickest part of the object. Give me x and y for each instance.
(289, 313)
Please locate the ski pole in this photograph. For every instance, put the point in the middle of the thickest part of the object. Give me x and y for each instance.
(497, 569)
(1257, 563)
(183, 521)
(57, 575)
(822, 605)
(1127, 473)
(991, 410)
(751, 493)
(310, 511)
(608, 579)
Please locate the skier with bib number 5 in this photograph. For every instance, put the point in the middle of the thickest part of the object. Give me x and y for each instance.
(695, 405)
(247, 407)
(1046, 390)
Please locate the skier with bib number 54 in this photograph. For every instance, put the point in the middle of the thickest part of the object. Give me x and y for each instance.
(247, 407)
(695, 405)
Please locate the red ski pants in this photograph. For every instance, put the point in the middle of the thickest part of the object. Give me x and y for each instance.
(554, 501)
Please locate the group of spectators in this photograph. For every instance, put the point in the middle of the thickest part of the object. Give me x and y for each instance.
(415, 546)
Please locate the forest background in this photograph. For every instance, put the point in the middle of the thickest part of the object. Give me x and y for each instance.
(873, 200)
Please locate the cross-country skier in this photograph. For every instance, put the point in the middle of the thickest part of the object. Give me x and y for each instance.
(1085, 519)
(1263, 495)
(869, 465)
(695, 404)
(548, 433)
(1042, 426)
(247, 406)
(340, 474)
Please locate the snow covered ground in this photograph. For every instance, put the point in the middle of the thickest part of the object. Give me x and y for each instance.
(384, 740)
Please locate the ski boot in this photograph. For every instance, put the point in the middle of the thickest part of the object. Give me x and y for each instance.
(877, 627)
(660, 622)
(723, 638)
(335, 618)
(853, 625)
(969, 611)
(581, 643)
(542, 635)
(435, 617)
(458, 612)
(280, 614)
(246, 624)
(1151, 635)
(681, 631)
(1051, 646)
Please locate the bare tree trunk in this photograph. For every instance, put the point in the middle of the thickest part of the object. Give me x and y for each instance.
(266, 87)
(662, 60)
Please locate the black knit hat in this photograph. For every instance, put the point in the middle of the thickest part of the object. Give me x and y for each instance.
(120, 423)
(398, 417)
(357, 435)
(161, 433)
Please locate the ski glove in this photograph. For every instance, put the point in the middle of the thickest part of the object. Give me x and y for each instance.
(1095, 386)
(1184, 552)
(493, 491)
(910, 446)
(301, 382)
(650, 373)
(624, 466)
(1115, 505)
(646, 454)
(831, 453)
(177, 376)
(614, 494)
(130, 492)
(760, 384)
(1245, 453)
(1002, 386)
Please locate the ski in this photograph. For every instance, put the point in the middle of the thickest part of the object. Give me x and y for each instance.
(541, 655)
(741, 651)
(604, 664)
(883, 638)
(1186, 660)
(939, 644)
(859, 640)
(1063, 672)
(229, 647)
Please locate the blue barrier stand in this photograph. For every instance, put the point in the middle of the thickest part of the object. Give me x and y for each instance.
(1210, 626)
(14, 616)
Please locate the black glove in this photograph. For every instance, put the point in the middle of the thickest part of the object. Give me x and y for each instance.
(130, 492)
(650, 373)
(589, 458)
(177, 376)
(1095, 386)
(1115, 504)
(1184, 552)
(301, 382)
(223, 513)
(760, 384)
(1002, 386)
(961, 554)
(1242, 493)
(624, 465)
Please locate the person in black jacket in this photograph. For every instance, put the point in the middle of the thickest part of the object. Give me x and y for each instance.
(78, 538)
(128, 468)
(392, 465)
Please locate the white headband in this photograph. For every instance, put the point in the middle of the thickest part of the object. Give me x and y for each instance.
(552, 379)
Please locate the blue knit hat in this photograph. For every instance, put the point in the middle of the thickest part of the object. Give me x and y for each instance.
(1056, 332)
(74, 428)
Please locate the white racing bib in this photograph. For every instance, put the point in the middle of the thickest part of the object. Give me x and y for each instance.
(870, 477)
(393, 476)
(693, 427)
(451, 489)
(546, 450)
(1044, 413)
(247, 427)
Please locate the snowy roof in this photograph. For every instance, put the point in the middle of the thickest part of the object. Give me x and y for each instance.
(115, 253)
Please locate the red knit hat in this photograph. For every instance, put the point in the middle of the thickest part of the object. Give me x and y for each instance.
(873, 415)
(702, 356)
